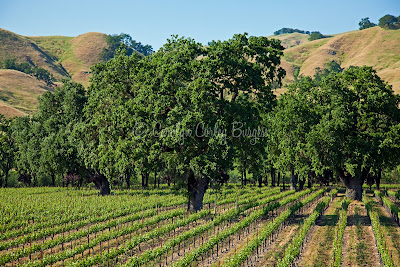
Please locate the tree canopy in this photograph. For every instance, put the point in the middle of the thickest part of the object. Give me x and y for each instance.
(290, 30)
(115, 41)
(365, 24)
(315, 36)
(389, 22)
(345, 122)
(195, 113)
(175, 110)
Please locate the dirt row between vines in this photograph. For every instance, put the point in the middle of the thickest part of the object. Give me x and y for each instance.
(359, 246)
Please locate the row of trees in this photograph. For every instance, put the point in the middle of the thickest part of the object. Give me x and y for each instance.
(39, 73)
(193, 113)
(290, 30)
(313, 35)
(389, 22)
(131, 46)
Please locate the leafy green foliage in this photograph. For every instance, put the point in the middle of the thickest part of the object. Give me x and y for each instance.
(7, 149)
(294, 248)
(389, 22)
(27, 68)
(154, 114)
(379, 234)
(44, 141)
(336, 259)
(125, 41)
(315, 36)
(365, 24)
(346, 122)
(290, 30)
(330, 67)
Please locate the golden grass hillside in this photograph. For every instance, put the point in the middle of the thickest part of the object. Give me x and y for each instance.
(64, 57)
(24, 50)
(76, 54)
(291, 39)
(17, 99)
(374, 47)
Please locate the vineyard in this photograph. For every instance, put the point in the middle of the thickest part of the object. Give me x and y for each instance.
(238, 226)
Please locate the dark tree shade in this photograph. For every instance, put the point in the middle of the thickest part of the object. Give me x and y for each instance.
(7, 149)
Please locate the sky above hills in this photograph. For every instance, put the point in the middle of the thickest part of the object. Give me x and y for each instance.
(152, 22)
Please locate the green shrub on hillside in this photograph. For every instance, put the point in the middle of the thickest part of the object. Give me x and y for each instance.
(389, 22)
(315, 36)
(365, 24)
(24, 67)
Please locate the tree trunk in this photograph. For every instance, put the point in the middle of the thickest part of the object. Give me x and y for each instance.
(197, 187)
(155, 179)
(293, 180)
(309, 180)
(278, 182)
(6, 180)
(354, 189)
(283, 180)
(353, 185)
(145, 179)
(378, 179)
(100, 181)
(272, 177)
(104, 185)
(53, 179)
(128, 179)
(259, 181)
(302, 181)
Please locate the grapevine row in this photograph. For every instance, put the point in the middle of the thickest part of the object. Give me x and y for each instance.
(379, 234)
(294, 248)
(267, 230)
(339, 231)
(191, 257)
(149, 255)
(104, 237)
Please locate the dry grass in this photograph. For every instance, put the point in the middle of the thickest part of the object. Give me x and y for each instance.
(19, 92)
(374, 47)
(291, 39)
(9, 111)
(76, 54)
(24, 50)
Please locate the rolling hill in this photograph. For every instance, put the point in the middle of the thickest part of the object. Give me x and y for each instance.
(291, 39)
(19, 98)
(374, 47)
(72, 57)
(62, 56)
(75, 54)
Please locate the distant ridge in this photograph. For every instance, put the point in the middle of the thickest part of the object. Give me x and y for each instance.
(72, 57)
(374, 47)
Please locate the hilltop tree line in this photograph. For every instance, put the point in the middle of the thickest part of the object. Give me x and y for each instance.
(388, 22)
(313, 35)
(191, 114)
(115, 41)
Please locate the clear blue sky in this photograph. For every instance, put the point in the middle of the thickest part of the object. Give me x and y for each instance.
(152, 22)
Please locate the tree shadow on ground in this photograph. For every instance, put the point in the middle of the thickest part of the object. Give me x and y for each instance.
(328, 220)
